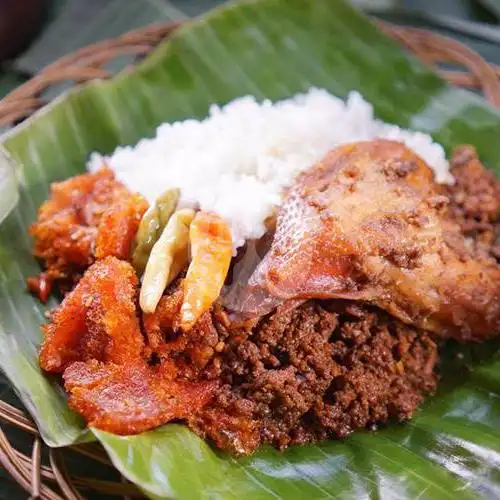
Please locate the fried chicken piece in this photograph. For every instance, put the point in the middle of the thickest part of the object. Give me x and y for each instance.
(97, 320)
(80, 210)
(118, 225)
(95, 339)
(132, 397)
(367, 223)
(67, 223)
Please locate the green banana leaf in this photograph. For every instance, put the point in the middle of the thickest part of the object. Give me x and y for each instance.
(268, 48)
(492, 5)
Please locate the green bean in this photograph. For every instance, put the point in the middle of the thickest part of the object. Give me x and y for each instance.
(151, 226)
(164, 263)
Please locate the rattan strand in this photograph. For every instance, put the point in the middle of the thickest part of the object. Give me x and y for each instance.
(86, 65)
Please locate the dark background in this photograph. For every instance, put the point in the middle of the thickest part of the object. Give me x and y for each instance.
(72, 24)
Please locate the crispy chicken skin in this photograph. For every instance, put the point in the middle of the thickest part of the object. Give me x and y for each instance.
(95, 341)
(86, 215)
(97, 320)
(132, 397)
(368, 223)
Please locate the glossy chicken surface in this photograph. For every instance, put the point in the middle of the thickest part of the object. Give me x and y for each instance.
(94, 339)
(368, 223)
(97, 320)
(132, 397)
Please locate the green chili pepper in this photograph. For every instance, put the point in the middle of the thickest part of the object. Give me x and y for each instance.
(168, 257)
(151, 227)
(167, 203)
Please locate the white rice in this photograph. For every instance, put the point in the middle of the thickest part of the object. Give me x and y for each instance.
(237, 161)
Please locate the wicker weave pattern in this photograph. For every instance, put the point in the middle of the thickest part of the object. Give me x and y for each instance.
(79, 67)
(86, 65)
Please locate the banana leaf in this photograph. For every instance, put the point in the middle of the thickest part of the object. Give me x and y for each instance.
(492, 5)
(271, 49)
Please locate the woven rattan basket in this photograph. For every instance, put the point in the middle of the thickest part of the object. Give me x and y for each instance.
(53, 481)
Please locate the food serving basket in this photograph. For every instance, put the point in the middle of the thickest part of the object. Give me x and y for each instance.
(45, 473)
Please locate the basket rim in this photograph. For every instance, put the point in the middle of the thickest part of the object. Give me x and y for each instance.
(86, 64)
